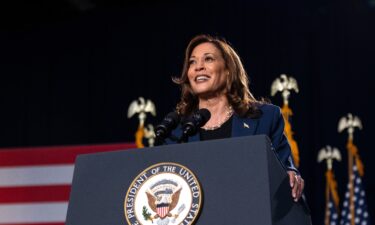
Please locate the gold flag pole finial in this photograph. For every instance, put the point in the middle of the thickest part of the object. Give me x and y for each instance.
(349, 122)
(329, 154)
(142, 107)
(285, 85)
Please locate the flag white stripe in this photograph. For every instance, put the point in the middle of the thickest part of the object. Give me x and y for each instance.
(33, 213)
(36, 175)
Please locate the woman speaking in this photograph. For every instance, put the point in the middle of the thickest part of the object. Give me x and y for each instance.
(214, 78)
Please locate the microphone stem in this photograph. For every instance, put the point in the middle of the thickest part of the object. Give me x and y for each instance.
(185, 135)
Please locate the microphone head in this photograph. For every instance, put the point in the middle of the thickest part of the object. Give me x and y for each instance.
(169, 123)
(197, 120)
(201, 117)
(172, 119)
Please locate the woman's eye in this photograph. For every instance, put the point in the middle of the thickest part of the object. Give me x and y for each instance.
(191, 62)
(209, 59)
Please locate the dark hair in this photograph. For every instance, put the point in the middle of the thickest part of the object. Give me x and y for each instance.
(237, 84)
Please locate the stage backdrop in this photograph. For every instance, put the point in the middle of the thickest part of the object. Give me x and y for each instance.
(69, 70)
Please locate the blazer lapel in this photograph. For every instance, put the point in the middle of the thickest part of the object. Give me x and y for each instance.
(243, 126)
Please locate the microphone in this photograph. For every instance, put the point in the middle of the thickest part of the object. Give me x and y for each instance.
(163, 130)
(191, 125)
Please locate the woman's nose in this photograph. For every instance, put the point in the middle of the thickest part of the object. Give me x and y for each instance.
(200, 65)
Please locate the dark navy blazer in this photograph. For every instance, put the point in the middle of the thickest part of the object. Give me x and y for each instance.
(270, 123)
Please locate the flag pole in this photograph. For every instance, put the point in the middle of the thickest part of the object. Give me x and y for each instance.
(328, 154)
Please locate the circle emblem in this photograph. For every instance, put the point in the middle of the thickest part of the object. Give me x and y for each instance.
(165, 193)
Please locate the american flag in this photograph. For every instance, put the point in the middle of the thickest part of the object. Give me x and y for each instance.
(355, 196)
(35, 182)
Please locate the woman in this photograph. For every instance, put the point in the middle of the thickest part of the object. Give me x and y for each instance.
(214, 78)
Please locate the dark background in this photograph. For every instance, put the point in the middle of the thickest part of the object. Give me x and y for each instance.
(69, 69)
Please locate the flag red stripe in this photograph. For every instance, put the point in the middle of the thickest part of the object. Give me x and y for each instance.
(34, 194)
(53, 155)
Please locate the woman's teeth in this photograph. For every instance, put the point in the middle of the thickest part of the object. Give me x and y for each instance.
(201, 78)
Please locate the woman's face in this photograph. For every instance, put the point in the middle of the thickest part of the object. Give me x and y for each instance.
(207, 73)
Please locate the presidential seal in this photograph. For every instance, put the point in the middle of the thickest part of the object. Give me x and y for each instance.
(165, 193)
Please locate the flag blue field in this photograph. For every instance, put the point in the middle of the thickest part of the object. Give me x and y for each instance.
(354, 209)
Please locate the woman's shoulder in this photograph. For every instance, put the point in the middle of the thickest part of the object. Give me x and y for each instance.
(268, 108)
(265, 109)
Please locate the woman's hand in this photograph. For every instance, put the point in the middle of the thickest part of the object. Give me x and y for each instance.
(297, 184)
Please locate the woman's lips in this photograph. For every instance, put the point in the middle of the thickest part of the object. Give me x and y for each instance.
(202, 78)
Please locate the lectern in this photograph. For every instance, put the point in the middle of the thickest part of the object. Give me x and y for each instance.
(241, 181)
